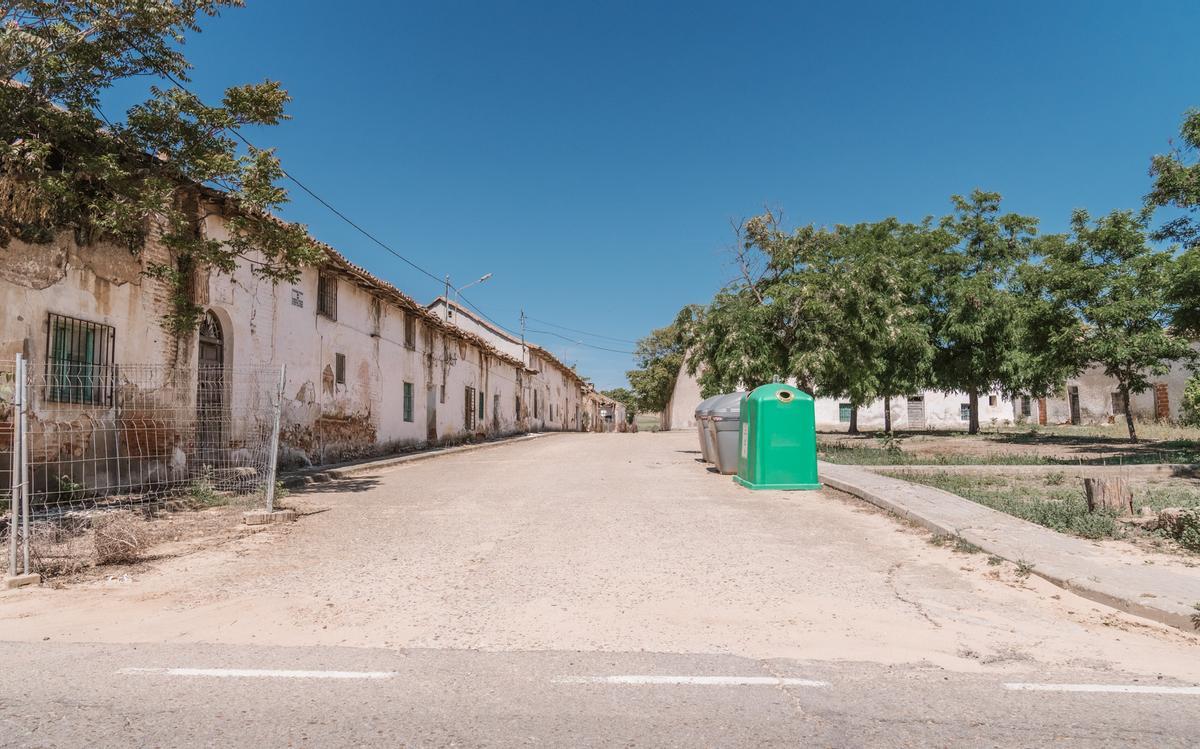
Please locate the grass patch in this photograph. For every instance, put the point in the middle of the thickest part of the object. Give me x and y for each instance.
(879, 456)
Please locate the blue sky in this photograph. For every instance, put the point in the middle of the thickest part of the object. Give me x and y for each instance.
(591, 155)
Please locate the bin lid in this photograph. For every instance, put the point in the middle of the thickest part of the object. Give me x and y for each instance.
(706, 404)
(727, 406)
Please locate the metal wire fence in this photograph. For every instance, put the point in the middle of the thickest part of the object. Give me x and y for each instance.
(84, 439)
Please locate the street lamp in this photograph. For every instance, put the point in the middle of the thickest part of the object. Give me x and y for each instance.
(481, 279)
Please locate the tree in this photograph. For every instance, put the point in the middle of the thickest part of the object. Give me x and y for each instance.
(877, 340)
(659, 357)
(1177, 185)
(64, 165)
(1114, 288)
(624, 396)
(975, 311)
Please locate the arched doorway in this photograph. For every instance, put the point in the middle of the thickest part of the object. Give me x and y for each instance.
(210, 391)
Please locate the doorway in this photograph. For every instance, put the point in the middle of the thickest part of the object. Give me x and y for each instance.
(431, 401)
(210, 391)
(1073, 401)
(916, 412)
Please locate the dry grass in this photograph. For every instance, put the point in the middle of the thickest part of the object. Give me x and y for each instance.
(120, 538)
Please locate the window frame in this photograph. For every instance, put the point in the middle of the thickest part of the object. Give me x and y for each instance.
(410, 331)
(964, 412)
(845, 411)
(408, 402)
(339, 369)
(469, 408)
(95, 369)
(327, 295)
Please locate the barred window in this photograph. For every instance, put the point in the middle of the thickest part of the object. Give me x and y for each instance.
(408, 401)
(469, 421)
(79, 361)
(410, 331)
(327, 296)
(339, 368)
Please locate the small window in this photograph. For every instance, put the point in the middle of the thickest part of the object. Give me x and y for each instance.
(481, 405)
(410, 331)
(844, 411)
(327, 296)
(1026, 405)
(517, 406)
(339, 368)
(469, 411)
(1118, 404)
(964, 412)
(79, 361)
(992, 401)
(408, 401)
(376, 317)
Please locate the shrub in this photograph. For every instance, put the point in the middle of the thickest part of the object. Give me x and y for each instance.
(1187, 530)
(1189, 406)
(120, 538)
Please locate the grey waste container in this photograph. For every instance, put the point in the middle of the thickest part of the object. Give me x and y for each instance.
(725, 429)
(706, 445)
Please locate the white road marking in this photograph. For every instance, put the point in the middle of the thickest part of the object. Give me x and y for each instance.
(1119, 688)
(242, 673)
(716, 681)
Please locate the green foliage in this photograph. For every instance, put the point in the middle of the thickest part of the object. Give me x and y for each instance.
(1177, 185)
(625, 396)
(1187, 530)
(977, 253)
(65, 166)
(659, 358)
(1189, 405)
(1106, 291)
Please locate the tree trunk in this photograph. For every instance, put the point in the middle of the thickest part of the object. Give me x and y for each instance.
(973, 424)
(853, 420)
(1124, 389)
(1108, 494)
(887, 414)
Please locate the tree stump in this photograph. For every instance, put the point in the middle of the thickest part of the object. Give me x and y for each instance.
(1109, 494)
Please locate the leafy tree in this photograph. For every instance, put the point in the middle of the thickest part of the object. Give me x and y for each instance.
(877, 339)
(1113, 288)
(625, 396)
(765, 326)
(64, 165)
(1177, 185)
(659, 357)
(1189, 405)
(975, 312)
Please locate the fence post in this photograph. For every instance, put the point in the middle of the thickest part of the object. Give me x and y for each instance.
(23, 384)
(14, 497)
(274, 457)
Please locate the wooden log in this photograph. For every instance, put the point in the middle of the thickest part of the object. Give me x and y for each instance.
(1109, 494)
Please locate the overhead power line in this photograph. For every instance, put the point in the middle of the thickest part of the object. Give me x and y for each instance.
(581, 343)
(333, 209)
(582, 332)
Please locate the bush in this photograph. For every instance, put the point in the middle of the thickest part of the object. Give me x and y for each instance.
(1187, 530)
(120, 538)
(1189, 407)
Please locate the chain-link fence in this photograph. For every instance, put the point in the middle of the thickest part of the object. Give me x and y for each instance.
(86, 441)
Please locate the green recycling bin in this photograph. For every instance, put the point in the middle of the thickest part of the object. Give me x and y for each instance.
(779, 440)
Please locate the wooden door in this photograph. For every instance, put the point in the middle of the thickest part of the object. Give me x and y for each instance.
(916, 412)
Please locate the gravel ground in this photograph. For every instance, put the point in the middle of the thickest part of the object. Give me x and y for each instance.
(600, 542)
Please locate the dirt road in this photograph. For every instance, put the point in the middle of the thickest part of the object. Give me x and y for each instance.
(606, 544)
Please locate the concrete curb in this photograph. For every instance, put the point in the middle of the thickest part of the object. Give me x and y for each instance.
(1162, 595)
(1164, 470)
(325, 474)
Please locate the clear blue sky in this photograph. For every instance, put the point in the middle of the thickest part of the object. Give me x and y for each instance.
(591, 155)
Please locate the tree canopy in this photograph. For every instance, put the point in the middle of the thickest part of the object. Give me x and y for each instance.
(66, 165)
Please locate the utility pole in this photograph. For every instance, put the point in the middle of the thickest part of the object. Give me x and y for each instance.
(446, 296)
(523, 355)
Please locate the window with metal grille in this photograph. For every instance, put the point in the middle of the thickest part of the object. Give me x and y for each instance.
(410, 331)
(1026, 405)
(408, 401)
(327, 296)
(79, 361)
(844, 411)
(481, 406)
(469, 411)
(339, 368)
(964, 412)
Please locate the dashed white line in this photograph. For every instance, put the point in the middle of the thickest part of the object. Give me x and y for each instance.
(714, 681)
(1117, 688)
(260, 673)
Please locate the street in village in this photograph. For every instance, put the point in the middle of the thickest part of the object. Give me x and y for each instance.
(582, 589)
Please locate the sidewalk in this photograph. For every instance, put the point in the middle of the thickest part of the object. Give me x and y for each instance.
(1073, 563)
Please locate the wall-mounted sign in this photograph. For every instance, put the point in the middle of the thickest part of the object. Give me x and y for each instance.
(297, 298)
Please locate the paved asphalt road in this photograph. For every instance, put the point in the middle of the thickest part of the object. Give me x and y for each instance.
(584, 590)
